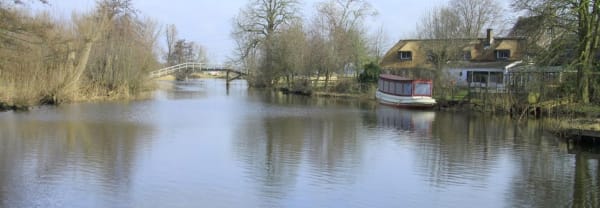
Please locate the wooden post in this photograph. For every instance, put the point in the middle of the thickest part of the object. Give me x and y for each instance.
(227, 77)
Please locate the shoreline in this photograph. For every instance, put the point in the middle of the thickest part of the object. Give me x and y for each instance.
(575, 125)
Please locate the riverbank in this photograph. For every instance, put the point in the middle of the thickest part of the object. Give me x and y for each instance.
(14, 101)
(576, 122)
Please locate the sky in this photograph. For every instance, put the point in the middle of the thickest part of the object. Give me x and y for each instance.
(208, 22)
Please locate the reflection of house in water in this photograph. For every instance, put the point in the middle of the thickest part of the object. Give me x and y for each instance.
(406, 120)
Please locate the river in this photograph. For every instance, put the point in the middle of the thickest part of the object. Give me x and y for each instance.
(199, 144)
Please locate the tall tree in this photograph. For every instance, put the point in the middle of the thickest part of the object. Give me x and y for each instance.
(126, 49)
(171, 38)
(290, 49)
(475, 16)
(441, 32)
(576, 18)
(254, 28)
(340, 22)
(379, 42)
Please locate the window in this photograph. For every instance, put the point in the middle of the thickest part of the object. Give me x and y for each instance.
(485, 77)
(406, 88)
(423, 89)
(405, 55)
(398, 88)
(386, 86)
(502, 54)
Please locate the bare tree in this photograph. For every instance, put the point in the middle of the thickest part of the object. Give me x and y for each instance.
(446, 30)
(171, 39)
(124, 55)
(579, 19)
(290, 56)
(475, 16)
(254, 27)
(340, 24)
(441, 23)
(103, 53)
(379, 43)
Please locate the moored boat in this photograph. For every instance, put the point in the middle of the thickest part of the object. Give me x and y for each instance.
(404, 92)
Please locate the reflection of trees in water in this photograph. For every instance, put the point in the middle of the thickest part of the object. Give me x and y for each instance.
(37, 155)
(271, 150)
(463, 149)
(467, 149)
(548, 179)
(586, 184)
(542, 172)
(274, 143)
(332, 146)
(180, 90)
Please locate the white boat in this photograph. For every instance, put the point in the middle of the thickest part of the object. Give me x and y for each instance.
(403, 92)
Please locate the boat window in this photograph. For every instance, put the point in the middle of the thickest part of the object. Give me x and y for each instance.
(398, 90)
(423, 89)
(381, 84)
(387, 86)
(407, 89)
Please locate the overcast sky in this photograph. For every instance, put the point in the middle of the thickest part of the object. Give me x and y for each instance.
(208, 22)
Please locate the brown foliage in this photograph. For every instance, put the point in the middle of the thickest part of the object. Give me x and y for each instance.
(46, 61)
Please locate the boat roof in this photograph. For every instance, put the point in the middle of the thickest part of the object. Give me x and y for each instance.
(399, 78)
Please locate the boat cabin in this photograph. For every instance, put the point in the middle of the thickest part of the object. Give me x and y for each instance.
(400, 86)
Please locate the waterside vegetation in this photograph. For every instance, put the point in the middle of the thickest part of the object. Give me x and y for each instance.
(104, 54)
(332, 54)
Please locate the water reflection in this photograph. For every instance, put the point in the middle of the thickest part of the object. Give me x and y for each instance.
(586, 185)
(200, 143)
(57, 159)
(412, 121)
(190, 89)
(292, 135)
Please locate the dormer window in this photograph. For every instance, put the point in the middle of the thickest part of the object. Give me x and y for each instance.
(502, 54)
(405, 55)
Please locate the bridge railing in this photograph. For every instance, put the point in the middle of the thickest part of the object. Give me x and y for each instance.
(172, 69)
(194, 66)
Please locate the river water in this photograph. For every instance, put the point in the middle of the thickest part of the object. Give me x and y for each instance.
(199, 144)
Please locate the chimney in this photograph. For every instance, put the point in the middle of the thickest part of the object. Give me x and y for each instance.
(489, 39)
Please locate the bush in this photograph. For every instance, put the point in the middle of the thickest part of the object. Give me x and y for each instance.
(370, 73)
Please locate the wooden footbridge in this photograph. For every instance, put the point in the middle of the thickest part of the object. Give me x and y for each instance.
(192, 67)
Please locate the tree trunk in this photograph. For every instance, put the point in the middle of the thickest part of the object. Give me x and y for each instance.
(586, 39)
(81, 64)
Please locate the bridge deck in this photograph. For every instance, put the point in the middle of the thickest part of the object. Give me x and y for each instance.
(194, 67)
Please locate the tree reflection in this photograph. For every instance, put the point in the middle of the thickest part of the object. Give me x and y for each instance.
(274, 143)
(464, 149)
(541, 172)
(59, 153)
(586, 186)
(458, 150)
(184, 90)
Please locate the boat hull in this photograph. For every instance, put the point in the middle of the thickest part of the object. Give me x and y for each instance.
(405, 101)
